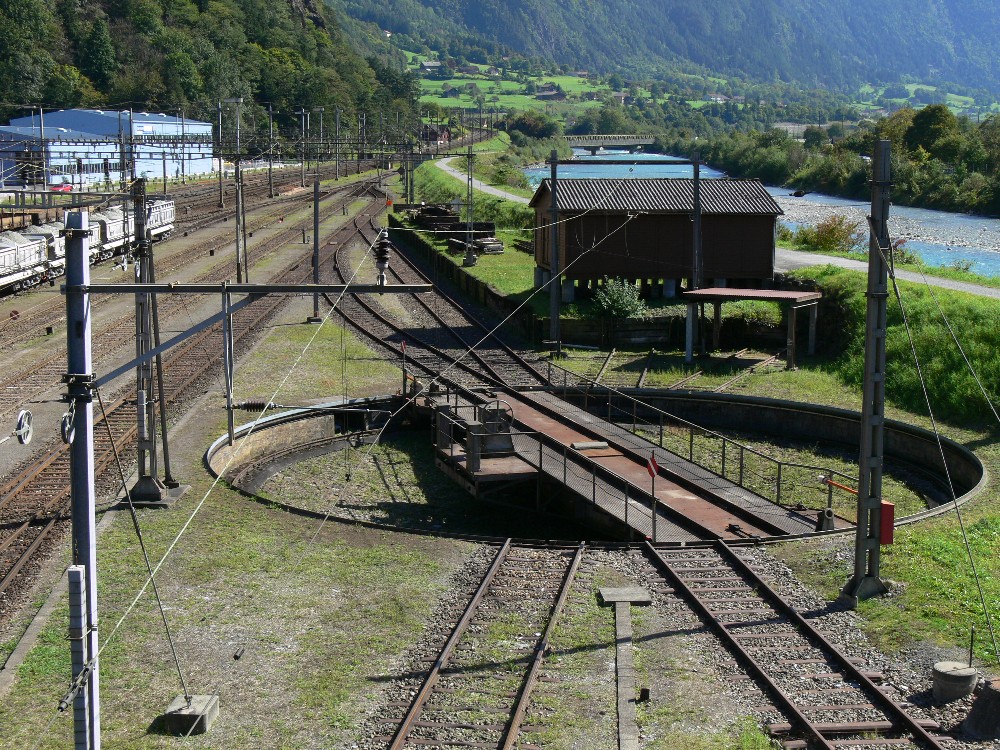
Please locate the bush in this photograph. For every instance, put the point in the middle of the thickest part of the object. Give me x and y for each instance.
(618, 298)
(835, 234)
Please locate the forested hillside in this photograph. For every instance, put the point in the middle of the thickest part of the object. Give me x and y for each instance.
(170, 55)
(817, 43)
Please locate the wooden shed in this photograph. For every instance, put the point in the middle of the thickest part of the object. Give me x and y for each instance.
(642, 229)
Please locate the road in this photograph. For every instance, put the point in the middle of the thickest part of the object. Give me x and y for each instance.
(785, 260)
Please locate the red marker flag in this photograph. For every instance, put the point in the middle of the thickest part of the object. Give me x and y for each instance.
(402, 345)
(652, 467)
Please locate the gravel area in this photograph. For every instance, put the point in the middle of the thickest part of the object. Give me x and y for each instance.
(977, 234)
(907, 677)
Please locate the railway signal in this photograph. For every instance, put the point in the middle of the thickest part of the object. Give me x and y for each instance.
(382, 251)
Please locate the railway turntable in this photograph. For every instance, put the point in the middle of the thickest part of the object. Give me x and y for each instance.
(597, 470)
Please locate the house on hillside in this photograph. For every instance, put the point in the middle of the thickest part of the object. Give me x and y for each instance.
(430, 67)
(641, 229)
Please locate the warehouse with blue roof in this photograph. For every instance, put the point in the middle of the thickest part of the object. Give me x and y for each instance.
(88, 147)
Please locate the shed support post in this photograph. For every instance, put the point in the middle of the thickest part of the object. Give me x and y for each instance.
(813, 311)
(716, 324)
(790, 343)
(689, 336)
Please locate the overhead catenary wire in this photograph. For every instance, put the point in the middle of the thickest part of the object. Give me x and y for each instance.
(198, 507)
(142, 545)
(458, 360)
(937, 435)
(154, 570)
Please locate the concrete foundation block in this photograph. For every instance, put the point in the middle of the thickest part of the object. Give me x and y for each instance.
(163, 497)
(953, 680)
(184, 717)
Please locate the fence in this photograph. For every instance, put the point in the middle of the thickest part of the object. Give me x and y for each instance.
(457, 425)
(786, 483)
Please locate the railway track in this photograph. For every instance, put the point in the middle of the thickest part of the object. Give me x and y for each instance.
(23, 387)
(438, 333)
(478, 687)
(828, 699)
(51, 313)
(34, 504)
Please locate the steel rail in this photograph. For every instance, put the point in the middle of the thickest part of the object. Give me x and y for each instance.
(886, 704)
(123, 439)
(408, 336)
(406, 725)
(900, 719)
(486, 330)
(513, 727)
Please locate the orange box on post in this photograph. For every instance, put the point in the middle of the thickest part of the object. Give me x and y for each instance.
(887, 517)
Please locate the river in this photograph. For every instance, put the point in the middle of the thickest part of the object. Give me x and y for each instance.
(939, 237)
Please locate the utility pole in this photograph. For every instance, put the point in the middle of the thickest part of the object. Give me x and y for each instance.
(555, 288)
(148, 488)
(78, 427)
(470, 254)
(42, 149)
(866, 581)
(315, 318)
(337, 142)
(270, 151)
(218, 150)
(240, 251)
(696, 262)
(131, 145)
(301, 112)
(319, 154)
(183, 151)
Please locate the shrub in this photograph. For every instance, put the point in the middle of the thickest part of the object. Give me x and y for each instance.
(834, 234)
(618, 298)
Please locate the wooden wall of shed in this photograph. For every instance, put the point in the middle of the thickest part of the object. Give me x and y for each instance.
(658, 246)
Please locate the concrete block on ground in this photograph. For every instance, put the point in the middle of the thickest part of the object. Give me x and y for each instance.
(164, 497)
(953, 680)
(184, 717)
(632, 594)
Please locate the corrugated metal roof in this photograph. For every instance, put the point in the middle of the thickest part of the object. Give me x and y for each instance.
(663, 195)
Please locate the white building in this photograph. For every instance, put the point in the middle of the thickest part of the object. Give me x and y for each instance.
(82, 147)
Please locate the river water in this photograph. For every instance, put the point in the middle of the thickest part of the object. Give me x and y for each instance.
(939, 237)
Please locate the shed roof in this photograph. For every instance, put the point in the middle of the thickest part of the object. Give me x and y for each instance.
(662, 195)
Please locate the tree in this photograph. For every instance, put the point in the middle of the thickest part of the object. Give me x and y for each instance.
(97, 58)
(931, 125)
(815, 137)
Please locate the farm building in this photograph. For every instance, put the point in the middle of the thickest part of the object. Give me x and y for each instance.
(87, 146)
(642, 229)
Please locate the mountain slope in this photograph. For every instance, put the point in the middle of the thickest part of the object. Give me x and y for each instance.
(814, 42)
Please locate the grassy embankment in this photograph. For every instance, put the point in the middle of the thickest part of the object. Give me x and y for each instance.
(935, 600)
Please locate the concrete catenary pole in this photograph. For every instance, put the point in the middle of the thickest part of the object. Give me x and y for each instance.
(315, 318)
(866, 581)
(79, 428)
(555, 288)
